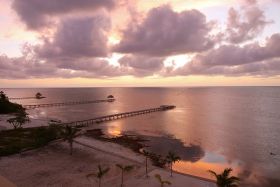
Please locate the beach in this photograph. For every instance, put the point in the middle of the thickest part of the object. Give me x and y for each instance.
(52, 165)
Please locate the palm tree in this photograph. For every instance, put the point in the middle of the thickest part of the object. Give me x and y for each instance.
(19, 120)
(224, 180)
(101, 172)
(146, 154)
(161, 181)
(69, 134)
(171, 159)
(124, 169)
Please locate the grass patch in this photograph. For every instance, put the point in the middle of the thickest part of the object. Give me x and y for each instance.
(17, 140)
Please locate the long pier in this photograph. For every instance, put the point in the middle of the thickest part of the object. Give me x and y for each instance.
(66, 103)
(22, 98)
(85, 123)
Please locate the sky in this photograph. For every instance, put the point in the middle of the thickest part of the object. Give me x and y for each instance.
(87, 43)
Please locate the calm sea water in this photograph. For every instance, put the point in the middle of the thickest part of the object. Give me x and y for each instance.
(211, 128)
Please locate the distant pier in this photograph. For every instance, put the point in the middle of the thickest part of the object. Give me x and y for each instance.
(22, 98)
(84, 123)
(66, 103)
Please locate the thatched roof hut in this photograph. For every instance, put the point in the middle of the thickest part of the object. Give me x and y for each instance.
(110, 97)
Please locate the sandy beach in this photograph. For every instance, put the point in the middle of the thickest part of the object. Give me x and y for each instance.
(53, 166)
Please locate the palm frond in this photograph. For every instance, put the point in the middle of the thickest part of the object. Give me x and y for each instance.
(106, 170)
(125, 168)
(146, 153)
(233, 178)
(224, 178)
(158, 177)
(69, 133)
(172, 157)
(119, 166)
(226, 172)
(128, 168)
(91, 175)
(101, 172)
(233, 185)
(99, 168)
(166, 182)
(213, 173)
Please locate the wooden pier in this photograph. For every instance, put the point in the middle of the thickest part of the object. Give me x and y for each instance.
(66, 103)
(85, 123)
(22, 98)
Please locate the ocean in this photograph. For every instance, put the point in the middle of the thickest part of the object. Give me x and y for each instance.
(210, 128)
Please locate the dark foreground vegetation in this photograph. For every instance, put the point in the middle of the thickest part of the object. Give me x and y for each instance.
(7, 107)
(22, 139)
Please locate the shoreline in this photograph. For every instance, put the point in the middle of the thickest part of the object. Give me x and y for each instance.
(55, 155)
(165, 169)
(140, 139)
(96, 139)
(98, 135)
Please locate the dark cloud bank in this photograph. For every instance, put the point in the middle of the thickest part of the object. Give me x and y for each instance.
(79, 47)
(251, 59)
(165, 32)
(35, 13)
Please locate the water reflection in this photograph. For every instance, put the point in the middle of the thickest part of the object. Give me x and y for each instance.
(196, 161)
(161, 145)
(211, 161)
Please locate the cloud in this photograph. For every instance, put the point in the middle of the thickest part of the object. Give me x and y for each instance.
(228, 60)
(247, 24)
(79, 46)
(233, 59)
(263, 68)
(266, 68)
(35, 13)
(235, 55)
(142, 65)
(78, 37)
(165, 32)
(23, 68)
